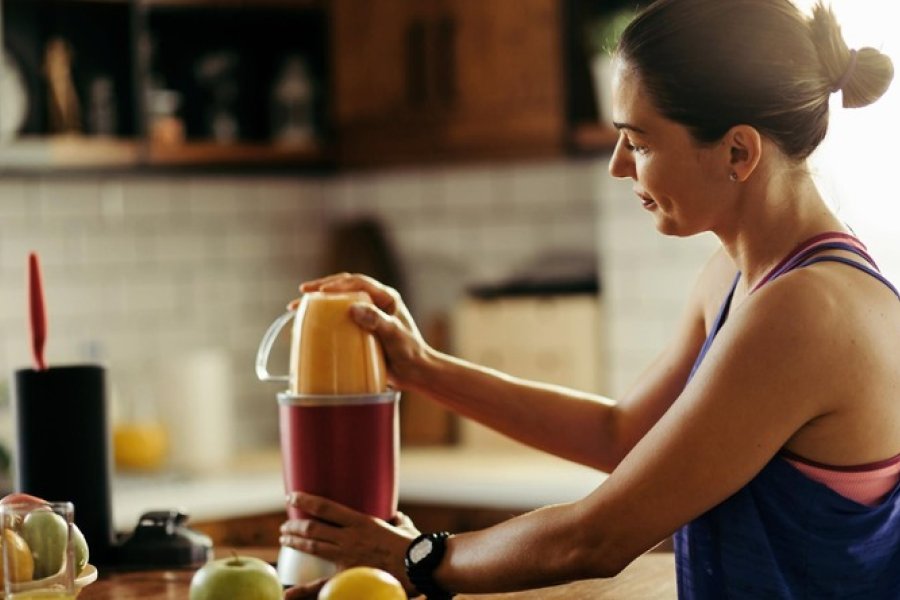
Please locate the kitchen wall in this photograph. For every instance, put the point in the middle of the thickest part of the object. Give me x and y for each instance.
(146, 271)
(141, 272)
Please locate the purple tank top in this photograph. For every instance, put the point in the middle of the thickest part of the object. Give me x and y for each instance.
(783, 535)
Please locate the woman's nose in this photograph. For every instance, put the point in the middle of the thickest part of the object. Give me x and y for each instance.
(621, 164)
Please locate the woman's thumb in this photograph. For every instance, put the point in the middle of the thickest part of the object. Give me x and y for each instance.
(364, 315)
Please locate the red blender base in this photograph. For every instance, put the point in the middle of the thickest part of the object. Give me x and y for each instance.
(344, 448)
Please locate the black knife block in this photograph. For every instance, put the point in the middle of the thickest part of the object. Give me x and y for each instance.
(62, 449)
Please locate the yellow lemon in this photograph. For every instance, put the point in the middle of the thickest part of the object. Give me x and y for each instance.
(363, 583)
(19, 557)
(139, 446)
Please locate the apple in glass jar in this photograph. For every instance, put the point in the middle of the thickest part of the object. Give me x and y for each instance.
(46, 533)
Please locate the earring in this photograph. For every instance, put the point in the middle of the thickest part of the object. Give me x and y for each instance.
(733, 176)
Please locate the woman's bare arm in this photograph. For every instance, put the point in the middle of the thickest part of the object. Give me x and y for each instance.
(768, 374)
(598, 431)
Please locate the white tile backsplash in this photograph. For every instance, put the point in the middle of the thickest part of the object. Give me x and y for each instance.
(140, 269)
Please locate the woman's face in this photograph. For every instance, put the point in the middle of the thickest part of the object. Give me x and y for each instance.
(676, 179)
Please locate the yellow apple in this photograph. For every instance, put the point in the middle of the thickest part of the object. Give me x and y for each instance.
(18, 557)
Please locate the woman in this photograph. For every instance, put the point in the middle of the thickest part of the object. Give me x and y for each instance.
(766, 437)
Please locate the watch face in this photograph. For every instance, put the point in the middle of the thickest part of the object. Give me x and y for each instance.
(13, 96)
(418, 552)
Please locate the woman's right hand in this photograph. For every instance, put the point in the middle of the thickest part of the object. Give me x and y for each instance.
(389, 320)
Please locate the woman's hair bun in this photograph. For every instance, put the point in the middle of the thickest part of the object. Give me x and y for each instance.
(862, 76)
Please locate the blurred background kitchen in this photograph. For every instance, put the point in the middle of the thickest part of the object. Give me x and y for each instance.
(181, 165)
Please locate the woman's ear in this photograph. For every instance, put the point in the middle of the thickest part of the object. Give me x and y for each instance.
(745, 147)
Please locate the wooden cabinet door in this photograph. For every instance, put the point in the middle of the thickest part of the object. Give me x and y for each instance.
(506, 74)
(415, 80)
(373, 69)
(381, 78)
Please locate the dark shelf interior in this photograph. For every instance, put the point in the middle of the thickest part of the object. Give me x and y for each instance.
(30, 25)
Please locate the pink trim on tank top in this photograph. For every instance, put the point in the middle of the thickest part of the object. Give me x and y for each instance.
(867, 484)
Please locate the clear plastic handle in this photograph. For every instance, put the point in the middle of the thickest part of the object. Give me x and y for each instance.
(265, 347)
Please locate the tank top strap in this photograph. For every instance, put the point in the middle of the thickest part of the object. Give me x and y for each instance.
(833, 240)
(842, 259)
(717, 325)
(798, 259)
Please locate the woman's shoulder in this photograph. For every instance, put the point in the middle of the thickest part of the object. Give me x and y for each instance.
(829, 292)
(834, 327)
(842, 317)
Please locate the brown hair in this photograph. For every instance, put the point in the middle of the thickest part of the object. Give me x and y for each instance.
(713, 64)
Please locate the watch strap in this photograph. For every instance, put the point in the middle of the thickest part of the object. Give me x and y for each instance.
(421, 572)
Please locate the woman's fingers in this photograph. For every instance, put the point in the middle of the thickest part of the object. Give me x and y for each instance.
(313, 537)
(309, 528)
(346, 537)
(403, 522)
(322, 549)
(325, 509)
(307, 591)
(382, 296)
(368, 317)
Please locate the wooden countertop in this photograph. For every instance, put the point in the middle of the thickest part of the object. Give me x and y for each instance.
(650, 577)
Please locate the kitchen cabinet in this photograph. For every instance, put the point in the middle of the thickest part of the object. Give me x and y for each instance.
(416, 80)
(447, 79)
(193, 83)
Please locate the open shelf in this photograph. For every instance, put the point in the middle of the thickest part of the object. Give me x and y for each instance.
(292, 4)
(223, 74)
(74, 152)
(250, 154)
(68, 152)
(222, 82)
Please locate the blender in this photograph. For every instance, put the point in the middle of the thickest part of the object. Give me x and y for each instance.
(338, 420)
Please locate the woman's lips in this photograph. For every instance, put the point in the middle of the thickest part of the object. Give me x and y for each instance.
(647, 202)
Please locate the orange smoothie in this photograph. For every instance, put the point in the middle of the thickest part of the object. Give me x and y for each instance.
(331, 354)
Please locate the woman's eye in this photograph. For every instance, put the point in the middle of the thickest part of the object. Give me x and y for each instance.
(636, 148)
(639, 149)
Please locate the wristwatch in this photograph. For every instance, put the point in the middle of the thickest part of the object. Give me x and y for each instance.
(423, 556)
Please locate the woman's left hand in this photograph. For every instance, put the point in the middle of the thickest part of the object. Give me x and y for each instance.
(347, 538)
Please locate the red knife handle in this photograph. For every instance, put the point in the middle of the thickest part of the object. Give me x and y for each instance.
(37, 312)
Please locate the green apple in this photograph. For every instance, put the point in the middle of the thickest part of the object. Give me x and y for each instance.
(45, 533)
(82, 554)
(236, 578)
